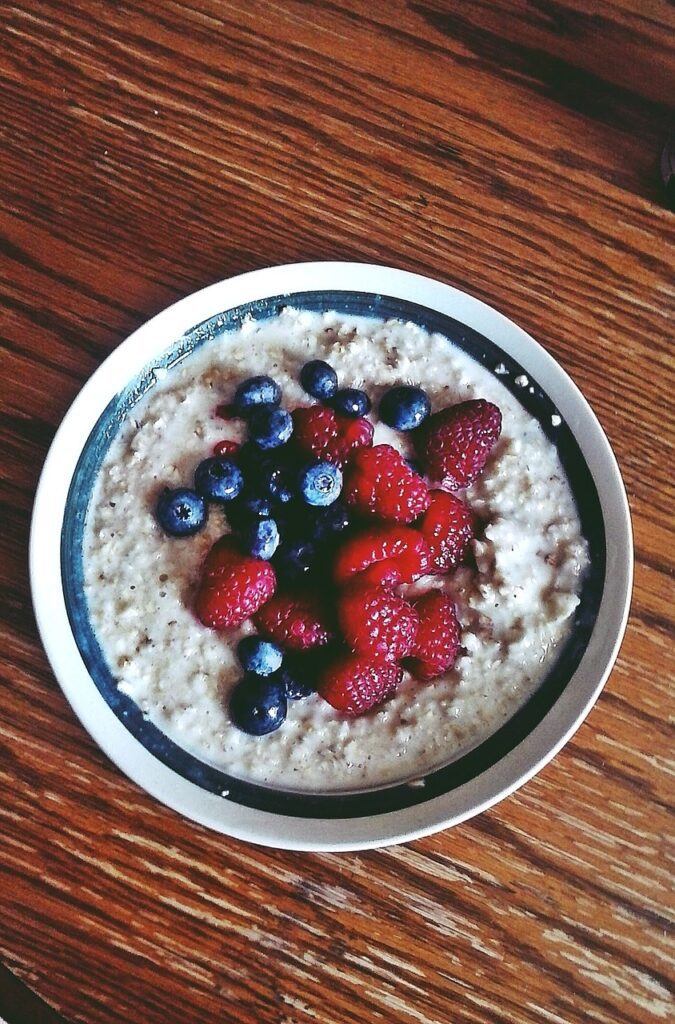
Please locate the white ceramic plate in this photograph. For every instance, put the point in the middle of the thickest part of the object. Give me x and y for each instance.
(394, 814)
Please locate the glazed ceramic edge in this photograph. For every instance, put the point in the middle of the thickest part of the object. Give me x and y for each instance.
(305, 833)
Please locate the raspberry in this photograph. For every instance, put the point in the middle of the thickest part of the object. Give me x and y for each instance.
(448, 526)
(377, 622)
(383, 554)
(454, 444)
(355, 683)
(437, 644)
(379, 482)
(233, 586)
(328, 436)
(294, 621)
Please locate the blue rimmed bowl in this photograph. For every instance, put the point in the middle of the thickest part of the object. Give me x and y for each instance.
(396, 812)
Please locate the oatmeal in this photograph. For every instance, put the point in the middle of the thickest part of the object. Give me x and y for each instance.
(515, 605)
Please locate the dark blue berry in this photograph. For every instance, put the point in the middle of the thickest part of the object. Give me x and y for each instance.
(294, 561)
(270, 428)
(320, 483)
(262, 657)
(258, 705)
(218, 479)
(319, 379)
(404, 407)
(351, 402)
(257, 391)
(261, 538)
(296, 685)
(246, 510)
(329, 522)
(181, 512)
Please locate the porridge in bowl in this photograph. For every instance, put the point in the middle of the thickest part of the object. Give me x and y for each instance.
(449, 650)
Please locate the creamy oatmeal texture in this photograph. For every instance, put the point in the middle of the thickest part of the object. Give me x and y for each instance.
(515, 610)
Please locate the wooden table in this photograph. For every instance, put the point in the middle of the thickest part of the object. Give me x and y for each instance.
(509, 148)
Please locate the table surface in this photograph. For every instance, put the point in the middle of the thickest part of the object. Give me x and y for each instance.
(507, 147)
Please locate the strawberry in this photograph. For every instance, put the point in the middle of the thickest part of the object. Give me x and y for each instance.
(383, 553)
(377, 622)
(328, 436)
(295, 621)
(448, 526)
(437, 645)
(233, 585)
(454, 444)
(379, 482)
(355, 683)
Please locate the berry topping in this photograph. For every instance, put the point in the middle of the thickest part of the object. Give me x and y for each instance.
(448, 526)
(180, 512)
(454, 444)
(379, 482)
(375, 621)
(225, 448)
(294, 561)
(351, 402)
(319, 379)
(383, 554)
(328, 523)
(261, 538)
(295, 621)
(258, 705)
(325, 435)
(261, 657)
(256, 391)
(270, 427)
(218, 479)
(355, 683)
(438, 638)
(404, 407)
(300, 670)
(233, 585)
(320, 483)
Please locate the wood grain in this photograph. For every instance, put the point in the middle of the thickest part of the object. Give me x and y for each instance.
(509, 147)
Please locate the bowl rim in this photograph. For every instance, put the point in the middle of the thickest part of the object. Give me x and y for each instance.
(306, 833)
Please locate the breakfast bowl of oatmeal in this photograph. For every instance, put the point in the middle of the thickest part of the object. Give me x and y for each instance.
(330, 556)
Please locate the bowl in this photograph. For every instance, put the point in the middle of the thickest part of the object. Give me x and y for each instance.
(393, 813)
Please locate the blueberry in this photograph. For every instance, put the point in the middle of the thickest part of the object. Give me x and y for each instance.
(246, 510)
(261, 538)
(181, 512)
(329, 522)
(319, 379)
(218, 479)
(320, 483)
(270, 428)
(258, 705)
(351, 402)
(295, 682)
(257, 391)
(261, 657)
(404, 407)
(294, 561)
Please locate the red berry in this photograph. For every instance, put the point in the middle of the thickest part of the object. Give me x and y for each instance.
(226, 448)
(448, 526)
(355, 683)
(375, 621)
(383, 554)
(233, 585)
(295, 621)
(323, 433)
(437, 644)
(379, 482)
(454, 444)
